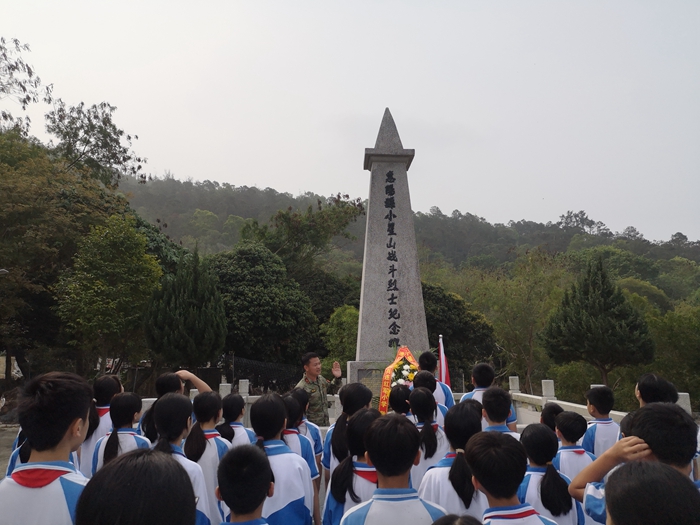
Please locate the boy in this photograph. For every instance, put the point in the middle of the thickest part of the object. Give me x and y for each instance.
(393, 447)
(549, 413)
(427, 380)
(443, 393)
(602, 432)
(498, 464)
(658, 432)
(245, 480)
(571, 458)
(482, 378)
(497, 407)
(53, 412)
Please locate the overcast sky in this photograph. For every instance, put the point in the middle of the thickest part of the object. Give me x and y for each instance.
(516, 110)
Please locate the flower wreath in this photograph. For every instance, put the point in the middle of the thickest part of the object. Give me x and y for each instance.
(403, 373)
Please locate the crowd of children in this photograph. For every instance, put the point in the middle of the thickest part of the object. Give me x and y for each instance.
(193, 462)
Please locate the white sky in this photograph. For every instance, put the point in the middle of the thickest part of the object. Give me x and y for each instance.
(516, 110)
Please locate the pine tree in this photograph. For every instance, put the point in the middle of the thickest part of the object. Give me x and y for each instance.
(185, 323)
(597, 325)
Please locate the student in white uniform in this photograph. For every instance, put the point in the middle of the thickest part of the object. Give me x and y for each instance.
(144, 487)
(602, 432)
(433, 442)
(427, 380)
(173, 419)
(571, 458)
(443, 394)
(353, 481)
(104, 388)
(543, 487)
(306, 427)
(497, 408)
(483, 376)
(232, 429)
(398, 399)
(205, 446)
(125, 410)
(449, 482)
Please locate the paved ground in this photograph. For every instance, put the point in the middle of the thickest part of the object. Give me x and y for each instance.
(8, 433)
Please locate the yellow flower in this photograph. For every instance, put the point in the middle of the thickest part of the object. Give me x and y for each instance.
(411, 376)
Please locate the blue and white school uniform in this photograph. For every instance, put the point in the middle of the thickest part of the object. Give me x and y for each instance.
(393, 506)
(571, 460)
(443, 447)
(600, 436)
(87, 449)
(313, 432)
(443, 395)
(328, 459)
(364, 483)
(302, 446)
(437, 488)
(241, 435)
(522, 514)
(259, 521)
(41, 492)
(128, 440)
(215, 450)
(15, 461)
(194, 471)
(478, 395)
(440, 413)
(503, 429)
(529, 492)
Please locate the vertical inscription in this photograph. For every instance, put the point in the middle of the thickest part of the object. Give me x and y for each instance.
(393, 275)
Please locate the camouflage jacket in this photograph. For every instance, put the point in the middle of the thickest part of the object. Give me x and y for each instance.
(318, 403)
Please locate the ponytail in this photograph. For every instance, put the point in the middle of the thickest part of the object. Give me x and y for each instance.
(461, 423)
(206, 407)
(121, 410)
(93, 420)
(267, 417)
(460, 477)
(353, 397)
(423, 407)
(232, 406)
(554, 492)
(148, 425)
(167, 383)
(196, 443)
(171, 414)
(341, 481)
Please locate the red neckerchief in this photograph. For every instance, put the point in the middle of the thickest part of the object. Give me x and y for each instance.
(101, 411)
(211, 434)
(288, 431)
(369, 475)
(39, 476)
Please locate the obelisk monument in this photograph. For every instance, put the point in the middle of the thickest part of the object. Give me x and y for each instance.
(391, 301)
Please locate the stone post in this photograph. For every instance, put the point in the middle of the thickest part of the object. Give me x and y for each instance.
(548, 390)
(514, 384)
(224, 389)
(684, 402)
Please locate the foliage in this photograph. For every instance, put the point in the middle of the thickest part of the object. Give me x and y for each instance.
(596, 324)
(645, 289)
(339, 334)
(185, 322)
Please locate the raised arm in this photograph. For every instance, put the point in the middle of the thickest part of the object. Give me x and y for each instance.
(200, 385)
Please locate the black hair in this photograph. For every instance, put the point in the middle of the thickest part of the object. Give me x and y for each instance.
(625, 424)
(25, 450)
(549, 413)
(423, 406)
(105, 388)
(93, 419)
(392, 443)
(232, 406)
(473, 405)
(498, 461)
(294, 412)
(461, 423)
(670, 432)
(121, 410)
(453, 519)
(308, 356)
(142, 487)
(353, 397)
(206, 407)
(571, 425)
(497, 403)
(602, 398)
(541, 446)
(165, 384)
(302, 397)
(425, 379)
(244, 477)
(48, 406)
(171, 416)
(483, 375)
(655, 389)
(267, 416)
(428, 361)
(342, 478)
(649, 492)
(398, 399)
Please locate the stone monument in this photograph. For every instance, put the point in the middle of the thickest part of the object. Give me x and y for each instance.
(391, 301)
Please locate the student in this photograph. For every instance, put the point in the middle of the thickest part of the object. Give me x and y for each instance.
(306, 427)
(498, 464)
(393, 446)
(124, 411)
(245, 482)
(482, 378)
(497, 408)
(449, 482)
(543, 487)
(353, 481)
(433, 442)
(143, 487)
(654, 389)
(293, 500)
(649, 492)
(104, 388)
(205, 446)
(443, 393)
(427, 380)
(398, 399)
(658, 431)
(571, 458)
(602, 432)
(173, 419)
(53, 412)
(549, 413)
(232, 429)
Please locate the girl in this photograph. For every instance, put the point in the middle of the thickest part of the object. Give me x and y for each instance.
(124, 411)
(353, 481)
(205, 445)
(433, 442)
(104, 388)
(173, 419)
(449, 483)
(232, 428)
(543, 487)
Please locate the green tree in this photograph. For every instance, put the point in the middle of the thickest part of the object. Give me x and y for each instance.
(185, 322)
(339, 335)
(102, 299)
(269, 318)
(597, 325)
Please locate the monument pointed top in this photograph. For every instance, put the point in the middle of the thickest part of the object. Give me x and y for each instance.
(388, 145)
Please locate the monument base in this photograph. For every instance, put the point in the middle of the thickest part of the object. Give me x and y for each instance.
(370, 374)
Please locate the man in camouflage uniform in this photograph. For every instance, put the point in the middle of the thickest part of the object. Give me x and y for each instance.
(318, 388)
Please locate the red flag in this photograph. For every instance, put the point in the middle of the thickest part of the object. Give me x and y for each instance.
(444, 371)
